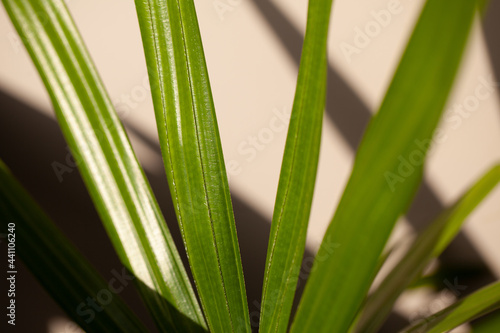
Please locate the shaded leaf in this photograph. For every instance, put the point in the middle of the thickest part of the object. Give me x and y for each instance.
(429, 244)
(387, 169)
(487, 324)
(56, 263)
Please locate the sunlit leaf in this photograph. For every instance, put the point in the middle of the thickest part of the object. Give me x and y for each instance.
(192, 154)
(298, 175)
(115, 180)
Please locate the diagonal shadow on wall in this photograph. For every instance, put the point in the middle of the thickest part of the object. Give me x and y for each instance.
(491, 26)
(29, 143)
(350, 116)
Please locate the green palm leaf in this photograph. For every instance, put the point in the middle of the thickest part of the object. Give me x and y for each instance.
(57, 264)
(477, 304)
(383, 181)
(298, 175)
(106, 161)
(429, 244)
(487, 325)
(193, 159)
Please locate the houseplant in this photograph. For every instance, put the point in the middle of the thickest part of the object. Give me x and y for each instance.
(377, 193)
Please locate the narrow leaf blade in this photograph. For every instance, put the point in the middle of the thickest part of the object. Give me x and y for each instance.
(475, 305)
(56, 263)
(377, 193)
(193, 159)
(113, 176)
(429, 244)
(298, 175)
